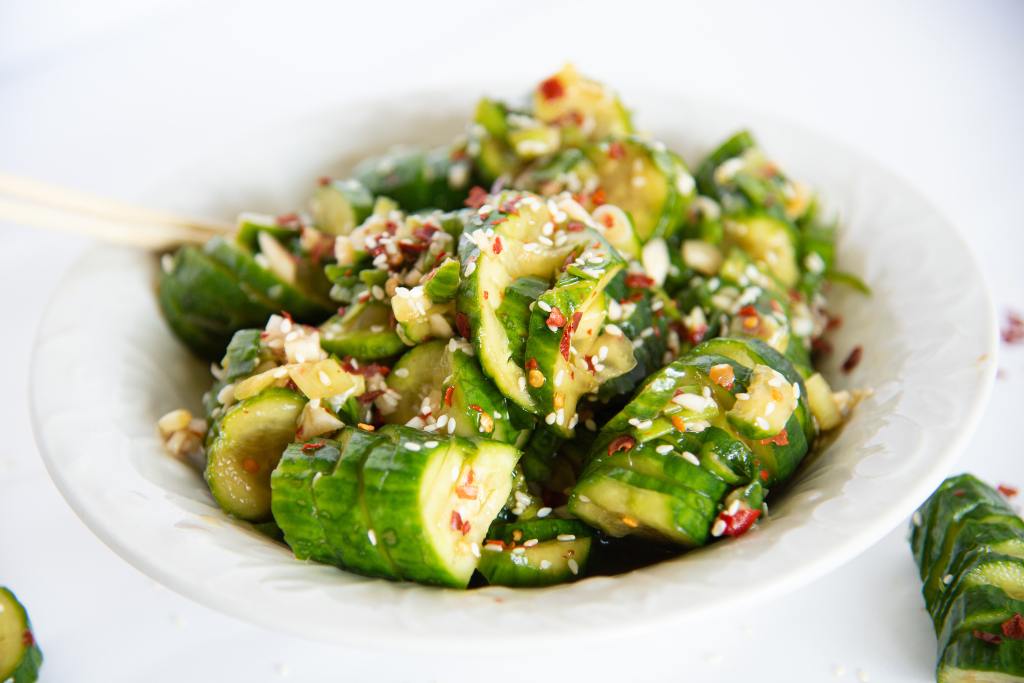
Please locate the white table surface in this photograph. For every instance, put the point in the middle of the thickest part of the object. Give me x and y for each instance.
(103, 96)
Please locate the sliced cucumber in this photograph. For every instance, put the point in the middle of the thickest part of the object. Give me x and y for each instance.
(340, 205)
(540, 552)
(246, 446)
(583, 108)
(366, 331)
(417, 179)
(250, 225)
(244, 353)
(765, 408)
(444, 379)
(647, 181)
(432, 500)
(442, 284)
(770, 241)
(983, 608)
(969, 659)
(292, 503)
(341, 507)
(20, 656)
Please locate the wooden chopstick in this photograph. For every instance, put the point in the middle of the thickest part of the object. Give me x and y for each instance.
(30, 202)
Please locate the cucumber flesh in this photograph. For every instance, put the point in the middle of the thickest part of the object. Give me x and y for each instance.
(340, 205)
(20, 656)
(246, 446)
(291, 486)
(366, 331)
(541, 552)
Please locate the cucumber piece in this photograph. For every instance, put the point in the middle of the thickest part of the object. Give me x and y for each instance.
(443, 378)
(244, 353)
(583, 108)
(204, 303)
(250, 225)
(286, 296)
(651, 184)
(734, 146)
(441, 285)
(432, 500)
(338, 206)
(245, 448)
(514, 313)
(418, 179)
(539, 552)
(771, 241)
(365, 331)
(291, 497)
(20, 656)
(983, 608)
(765, 408)
(340, 507)
(979, 567)
(969, 659)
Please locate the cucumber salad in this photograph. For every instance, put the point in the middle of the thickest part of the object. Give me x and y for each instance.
(548, 349)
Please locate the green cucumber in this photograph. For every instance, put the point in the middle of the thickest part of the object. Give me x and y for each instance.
(285, 296)
(432, 500)
(982, 608)
(340, 205)
(246, 446)
(539, 552)
(442, 283)
(365, 331)
(250, 225)
(204, 303)
(441, 378)
(514, 313)
(583, 108)
(969, 659)
(340, 507)
(244, 353)
(651, 184)
(291, 496)
(771, 242)
(20, 656)
(418, 179)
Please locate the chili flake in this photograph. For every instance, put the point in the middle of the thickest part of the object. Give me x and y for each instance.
(780, 439)
(458, 524)
(1008, 491)
(740, 521)
(853, 360)
(616, 150)
(448, 393)
(679, 423)
(477, 197)
(552, 88)
(27, 639)
(497, 247)
(1013, 628)
(556, 318)
(1013, 331)
(312, 447)
(531, 363)
(639, 281)
(723, 375)
(624, 442)
(462, 324)
(990, 638)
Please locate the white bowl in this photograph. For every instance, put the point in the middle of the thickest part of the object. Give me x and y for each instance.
(106, 367)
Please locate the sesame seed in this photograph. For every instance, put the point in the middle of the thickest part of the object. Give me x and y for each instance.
(543, 512)
(663, 449)
(544, 306)
(550, 418)
(451, 425)
(718, 528)
(442, 421)
(532, 542)
(545, 564)
(377, 292)
(574, 566)
(566, 537)
(742, 396)
(947, 579)
(475, 549)
(559, 376)
(691, 458)
(583, 498)
(430, 444)
(494, 547)
(372, 536)
(614, 330)
(602, 353)
(762, 423)
(590, 425)
(402, 372)
(412, 446)
(916, 519)
(574, 420)
(796, 390)
(522, 383)
(470, 267)
(733, 507)
(560, 417)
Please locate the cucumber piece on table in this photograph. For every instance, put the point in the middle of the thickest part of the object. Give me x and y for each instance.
(246, 445)
(444, 378)
(20, 656)
(432, 500)
(204, 303)
(340, 205)
(970, 659)
(650, 183)
(365, 331)
(539, 552)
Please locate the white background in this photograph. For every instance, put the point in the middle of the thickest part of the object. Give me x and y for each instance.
(105, 98)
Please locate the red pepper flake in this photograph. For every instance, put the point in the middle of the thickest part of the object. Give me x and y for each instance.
(574, 226)
(457, 524)
(959, 493)
(477, 197)
(1013, 628)
(556, 318)
(748, 311)
(448, 393)
(821, 346)
(287, 316)
(616, 150)
(250, 466)
(764, 475)
(1013, 331)
(598, 197)
(638, 281)
(780, 439)
(487, 295)
(411, 248)
(312, 447)
(679, 423)
(324, 181)
(462, 324)
(496, 247)
(552, 88)
(833, 322)
(287, 220)
(27, 639)
(776, 306)
(466, 492)
(696, 335)
(621, 443)
(473, 406)
(370, 396)
(563, 343)
(589, 360)
(1006, 490)
(739, 523)
(990, 638)
(853, 360)
(425, 232)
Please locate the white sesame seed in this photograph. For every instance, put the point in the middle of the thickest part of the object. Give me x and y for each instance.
(543, 512)
(742, 396)
(377, 292)
(663, 449)
(494, 547)
(475, 549)
(769, 409)
(691, 458)
(402, 372)
(574, 420)
(559, 376)
(733, 507)
(718, 528)
(442, 420)
(430, 444)
(522, 383)
(532, 542)
(762, 423)
(613, 330)
(550, 418)
(545, 564)
(544, 306)
(470, 267)
(412, 446)
(372, 536)
(574, 566)
(560, 416)
(947, 579)
(583, 498)
(451, 425)
(566, 537)
(916, 519)
(590, 425)
(796, 390)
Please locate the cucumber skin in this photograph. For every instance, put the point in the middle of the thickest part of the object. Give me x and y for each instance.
(26, 669)
(978, 607)
(415, 178)
(344, 335)
(242, 355)
(285, 296)
(292, 500)
(341, 508)
(499, 569)
(967, 653)
(204, 303)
